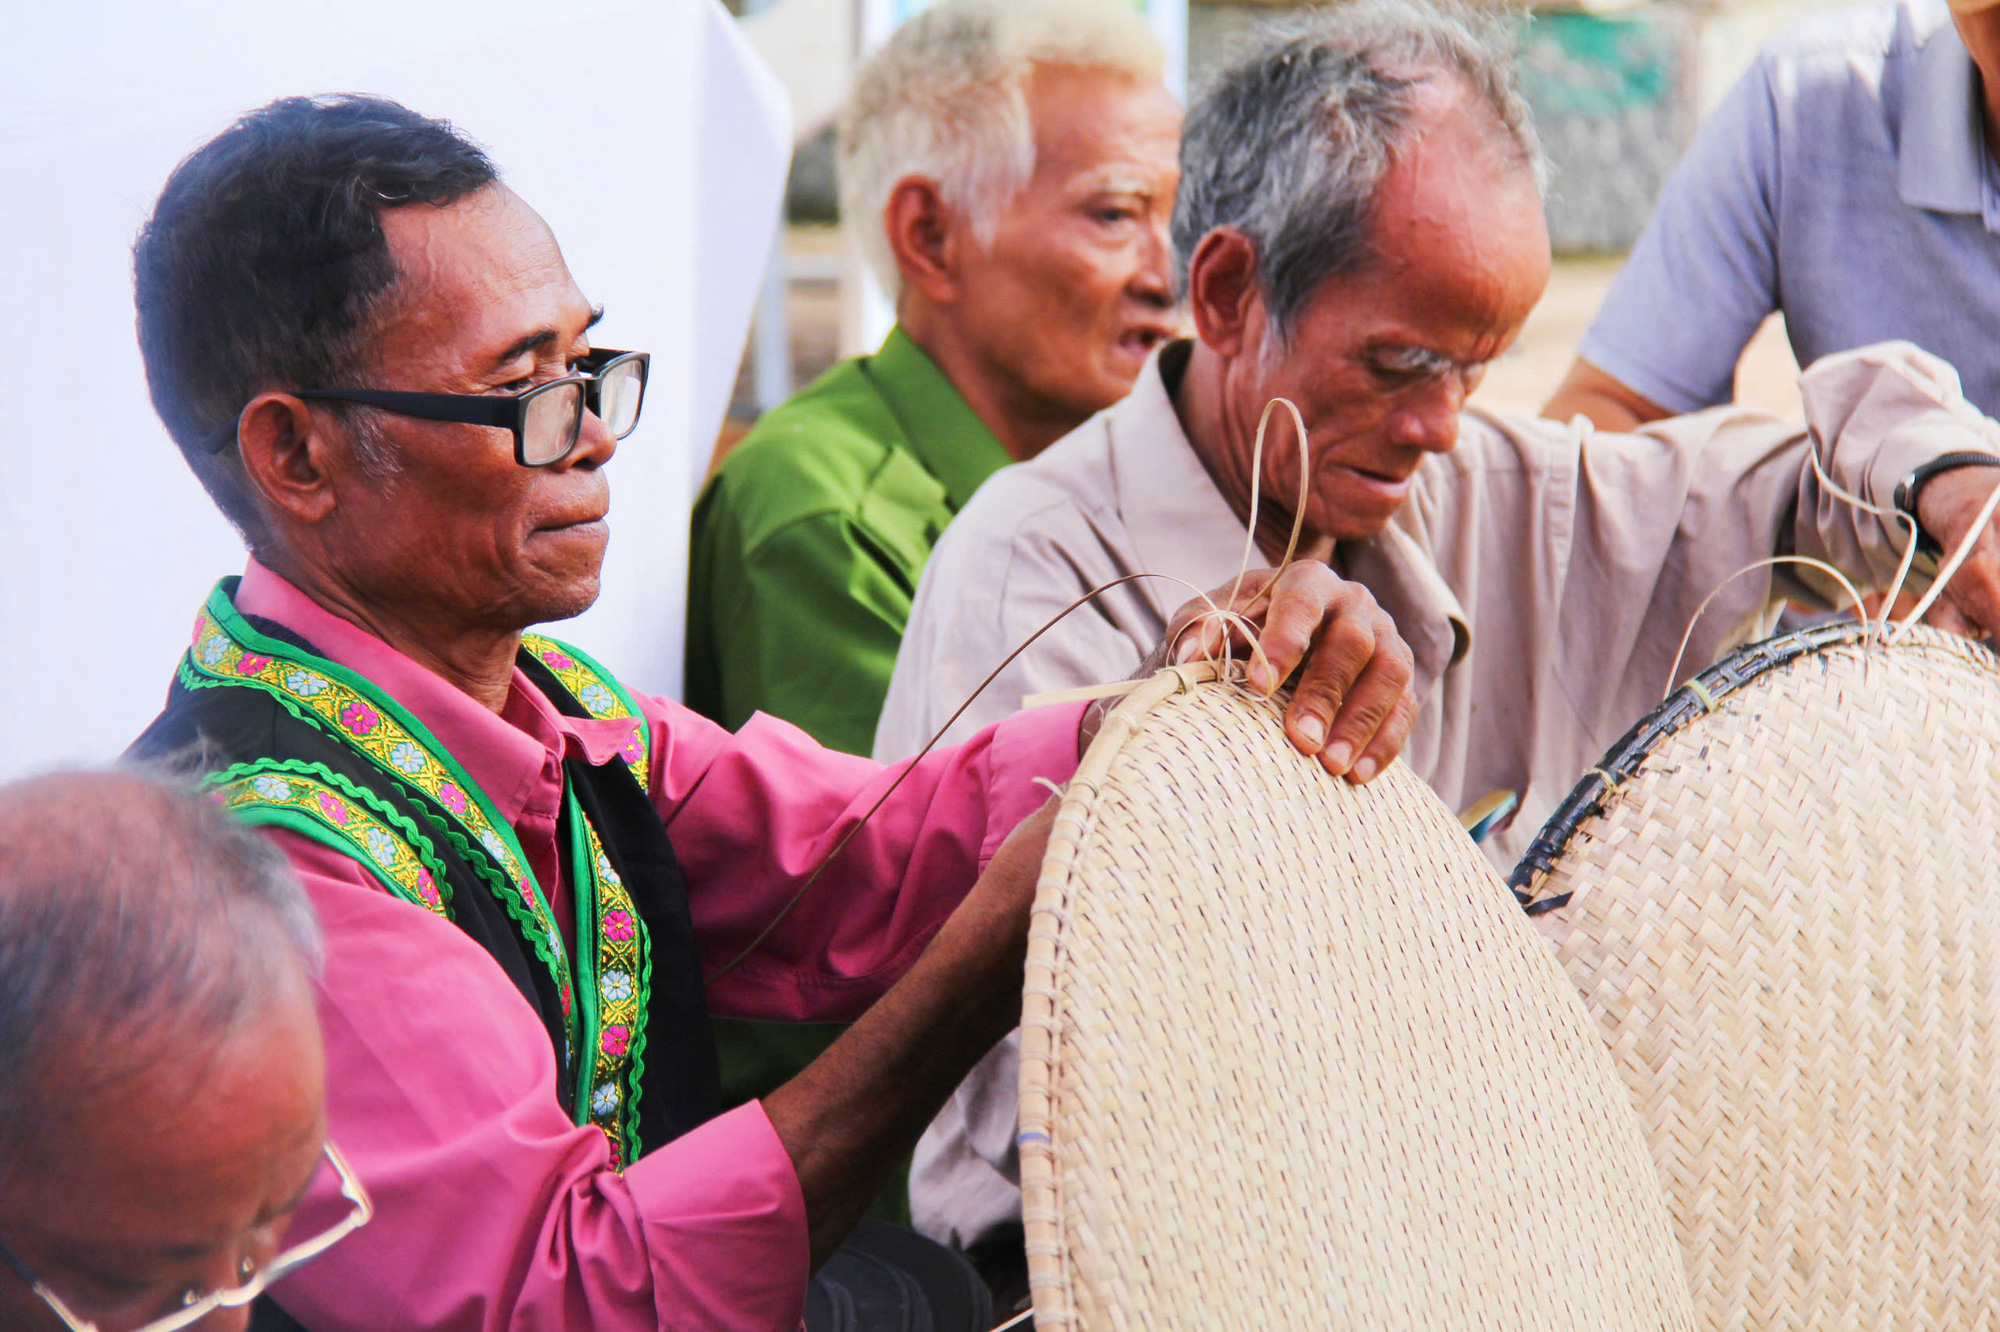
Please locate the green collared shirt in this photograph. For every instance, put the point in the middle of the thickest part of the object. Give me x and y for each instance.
(810, 538)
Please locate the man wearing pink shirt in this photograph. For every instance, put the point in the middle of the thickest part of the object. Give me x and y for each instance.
(534, 884)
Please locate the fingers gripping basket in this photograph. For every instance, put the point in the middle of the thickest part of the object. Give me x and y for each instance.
(1293, 1058)
(1779, 898)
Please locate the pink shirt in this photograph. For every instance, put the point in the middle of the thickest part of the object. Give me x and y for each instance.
(492, 1209)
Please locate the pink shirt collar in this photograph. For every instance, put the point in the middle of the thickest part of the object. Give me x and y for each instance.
(515, 756)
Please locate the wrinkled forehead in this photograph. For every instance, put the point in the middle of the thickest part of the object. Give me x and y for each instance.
(1104, 129)
(475, 275)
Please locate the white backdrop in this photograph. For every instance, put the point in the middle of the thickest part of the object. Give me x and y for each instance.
(643, 130)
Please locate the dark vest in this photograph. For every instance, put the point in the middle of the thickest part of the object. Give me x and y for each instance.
(289, 739)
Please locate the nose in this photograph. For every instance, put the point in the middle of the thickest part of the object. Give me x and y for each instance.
(595, 444)
(1428, 418)
(1154, 280)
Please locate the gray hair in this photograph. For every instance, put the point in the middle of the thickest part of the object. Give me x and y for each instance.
(140, 924)
(946, 97)
(1289, 143)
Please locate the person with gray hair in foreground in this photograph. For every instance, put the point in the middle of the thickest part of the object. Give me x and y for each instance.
(161, 1076)
(1359, 229)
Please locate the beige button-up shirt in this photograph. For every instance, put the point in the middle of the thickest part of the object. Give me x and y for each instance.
(1543, 575)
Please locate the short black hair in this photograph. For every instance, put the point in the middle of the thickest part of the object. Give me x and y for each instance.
(264, 264)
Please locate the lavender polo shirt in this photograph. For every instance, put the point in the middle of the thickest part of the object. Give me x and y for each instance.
(1846, 181)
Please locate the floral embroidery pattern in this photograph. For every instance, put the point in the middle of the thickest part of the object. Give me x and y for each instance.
(621, 990)
(303, 683)
(387, 854)
(378, 738)
(407, 758)
(597, 695)
(358, 718)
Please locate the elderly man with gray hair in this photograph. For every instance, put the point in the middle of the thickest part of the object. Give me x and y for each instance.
(161, 1076)
(1008, 168)
(1359, 229)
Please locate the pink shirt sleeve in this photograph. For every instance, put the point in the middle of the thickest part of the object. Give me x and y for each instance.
(493, 1210)
(752, 814)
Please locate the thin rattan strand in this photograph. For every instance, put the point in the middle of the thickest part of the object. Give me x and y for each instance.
(1292, 1058)
(1786, 924)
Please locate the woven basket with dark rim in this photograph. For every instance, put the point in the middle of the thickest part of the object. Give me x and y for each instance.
(1293, 1058)
(1778, 896)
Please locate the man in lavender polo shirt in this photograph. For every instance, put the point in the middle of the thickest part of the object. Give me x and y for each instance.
(535, 884)
(1849, 181)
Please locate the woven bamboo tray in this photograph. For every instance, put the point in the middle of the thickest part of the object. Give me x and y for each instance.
(1778, 895)
(1293, 1058)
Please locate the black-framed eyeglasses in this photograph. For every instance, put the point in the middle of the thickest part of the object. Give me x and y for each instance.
(197, 1304)
(546, 421)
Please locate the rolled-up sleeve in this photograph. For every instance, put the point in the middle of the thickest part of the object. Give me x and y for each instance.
(1876, 414)
(1672, 522)
(492, 1210)
(752, 815)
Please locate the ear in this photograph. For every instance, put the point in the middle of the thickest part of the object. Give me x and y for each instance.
(924, 234)
(285, 453)
(1223, 296)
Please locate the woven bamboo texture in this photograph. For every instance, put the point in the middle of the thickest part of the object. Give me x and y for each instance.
(1293, 1058)
(1785, 921)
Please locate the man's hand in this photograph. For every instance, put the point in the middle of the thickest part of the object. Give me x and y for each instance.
(860, 1107)
(1947, 507)
(1352, 707)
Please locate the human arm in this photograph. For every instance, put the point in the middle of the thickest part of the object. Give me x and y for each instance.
(1606, 403)
(753, 815)
(1673, 514)
(861, 1106)
(1700, 280)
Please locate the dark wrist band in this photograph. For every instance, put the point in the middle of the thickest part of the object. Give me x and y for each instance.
(1911, 488)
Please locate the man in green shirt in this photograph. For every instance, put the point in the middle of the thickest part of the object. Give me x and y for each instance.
(1009, 168)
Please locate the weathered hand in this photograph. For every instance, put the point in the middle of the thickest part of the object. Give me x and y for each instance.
(1948, 506)
(1352, 706)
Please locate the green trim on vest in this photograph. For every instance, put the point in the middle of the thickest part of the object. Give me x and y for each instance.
(600, 694)
(314, 802)
(605, 1004)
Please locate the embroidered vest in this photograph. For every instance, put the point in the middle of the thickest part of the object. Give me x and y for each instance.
(291, 740)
